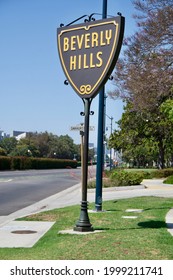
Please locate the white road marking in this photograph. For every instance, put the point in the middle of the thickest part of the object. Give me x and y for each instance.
(6, 181)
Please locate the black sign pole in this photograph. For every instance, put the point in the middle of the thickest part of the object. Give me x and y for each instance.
(83, 224)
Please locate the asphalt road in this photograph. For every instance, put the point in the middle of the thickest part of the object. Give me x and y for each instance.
(19, 189)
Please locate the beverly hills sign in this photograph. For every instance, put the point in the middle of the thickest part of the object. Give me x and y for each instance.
(88, 53)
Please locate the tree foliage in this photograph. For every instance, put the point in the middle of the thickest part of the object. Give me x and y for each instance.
(143, 78)
(42, 144)
(143, 137)
(8, 144)
(167, 108)
(145, 73)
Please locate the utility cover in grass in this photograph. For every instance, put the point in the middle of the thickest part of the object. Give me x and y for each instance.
(129, 217)
(134, 210)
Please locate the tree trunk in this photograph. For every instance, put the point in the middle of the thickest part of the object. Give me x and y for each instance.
(161, 154)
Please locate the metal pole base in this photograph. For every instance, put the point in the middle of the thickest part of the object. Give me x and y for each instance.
(83, 224)
(98, 207)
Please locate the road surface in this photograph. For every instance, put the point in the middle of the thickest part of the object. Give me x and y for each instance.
(19, 189)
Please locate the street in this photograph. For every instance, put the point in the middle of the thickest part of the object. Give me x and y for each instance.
(19, 189)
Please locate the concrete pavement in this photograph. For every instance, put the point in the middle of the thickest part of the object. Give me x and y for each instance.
(26, 234)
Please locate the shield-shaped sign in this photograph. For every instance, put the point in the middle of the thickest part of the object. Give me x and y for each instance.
(88, 53)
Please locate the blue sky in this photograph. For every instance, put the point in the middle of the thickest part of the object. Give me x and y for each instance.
(32, 90)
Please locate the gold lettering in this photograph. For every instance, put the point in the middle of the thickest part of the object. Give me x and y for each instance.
(80, 41)
(87, 40)
(85, 66)
(79, 62)
(85, 61)
(73, 42)
(91, 61)
(73, 62)
(94, 39)
(100, 59)
(102, 43)
(108, 36)
(66, 44)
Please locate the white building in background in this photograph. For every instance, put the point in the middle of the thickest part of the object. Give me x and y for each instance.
(3, 135)
(19, 134)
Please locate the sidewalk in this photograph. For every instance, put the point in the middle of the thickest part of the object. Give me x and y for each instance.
(26, 234)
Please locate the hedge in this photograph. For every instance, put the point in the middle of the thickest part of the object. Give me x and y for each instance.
(5, 163)
(125, 178)
(162, 173)
(23, 163)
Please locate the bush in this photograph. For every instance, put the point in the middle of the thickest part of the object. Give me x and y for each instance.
(125, 178)
(5, 163)
(22, 163)
(119, 178)
(107, 183)
(48, 163)
(146, 174)
(162, 173)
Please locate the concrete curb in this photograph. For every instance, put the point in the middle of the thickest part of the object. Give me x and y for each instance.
(169, 221)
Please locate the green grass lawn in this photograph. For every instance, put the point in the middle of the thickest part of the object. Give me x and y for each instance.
(168, 180)
(144, 238)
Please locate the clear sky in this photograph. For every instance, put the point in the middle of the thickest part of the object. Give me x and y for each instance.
(33, 96)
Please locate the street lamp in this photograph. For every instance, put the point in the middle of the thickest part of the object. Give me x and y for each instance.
(83, 224)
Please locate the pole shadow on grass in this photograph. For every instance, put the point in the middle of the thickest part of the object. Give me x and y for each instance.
(141, 225)
(153, 224)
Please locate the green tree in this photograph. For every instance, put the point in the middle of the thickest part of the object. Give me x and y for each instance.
(3, 152)
(42, 144)
(62, 147)
(8, 144)
(50, 145)
(21, 150)
(28, 146)
(143, 76)
(143, 137)
(167, 108)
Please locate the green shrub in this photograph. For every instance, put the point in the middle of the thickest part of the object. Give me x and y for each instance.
(48, 163)
(22, 163)
(5, 163)
(91, 184)
(119, 178)
(162, 173)
(107, 183)
(125, 178)
(146, 174)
